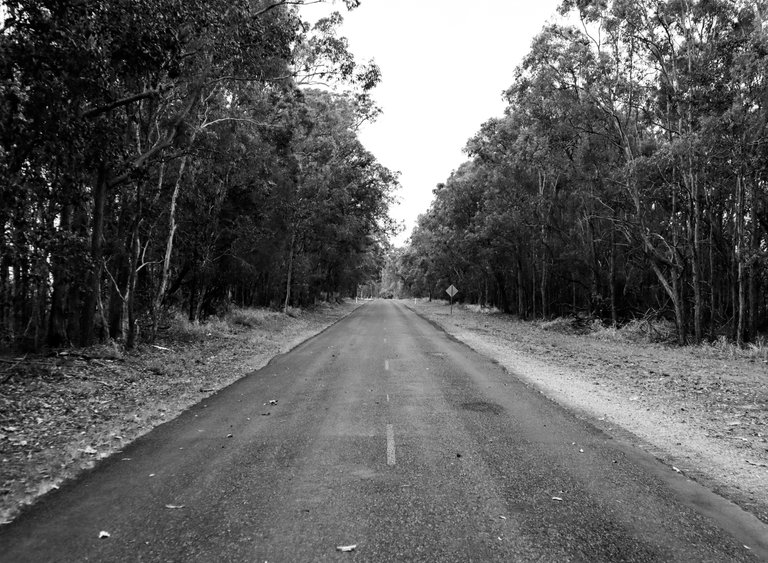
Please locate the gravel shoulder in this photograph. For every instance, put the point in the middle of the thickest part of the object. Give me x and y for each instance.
(62, 412)
(702, 410)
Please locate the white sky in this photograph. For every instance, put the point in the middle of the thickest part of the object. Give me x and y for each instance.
(444, 64)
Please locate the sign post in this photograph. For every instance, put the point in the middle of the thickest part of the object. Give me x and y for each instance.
(452, 291)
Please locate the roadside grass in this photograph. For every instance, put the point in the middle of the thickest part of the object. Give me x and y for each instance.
(482, 309)
(251, 318)
(722, 348)
(232, 322)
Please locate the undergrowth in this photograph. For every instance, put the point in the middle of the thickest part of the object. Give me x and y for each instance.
(232, 322)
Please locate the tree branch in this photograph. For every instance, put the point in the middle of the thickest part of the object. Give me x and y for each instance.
(122, 102)
(243, 119)
(170, 137)
(285, 3)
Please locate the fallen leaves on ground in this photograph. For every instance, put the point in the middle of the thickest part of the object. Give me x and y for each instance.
(63, 412)
(704, 398)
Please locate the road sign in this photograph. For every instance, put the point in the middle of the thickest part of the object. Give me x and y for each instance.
(452, 291)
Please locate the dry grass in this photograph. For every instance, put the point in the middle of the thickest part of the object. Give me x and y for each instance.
(640, 331)
(481, 309)
(252, 318)
(724, 349)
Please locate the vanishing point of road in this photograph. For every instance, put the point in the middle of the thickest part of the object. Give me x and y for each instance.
(385, 434)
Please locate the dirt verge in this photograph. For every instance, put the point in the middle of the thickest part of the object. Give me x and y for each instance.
(703, 410)
(62, 412)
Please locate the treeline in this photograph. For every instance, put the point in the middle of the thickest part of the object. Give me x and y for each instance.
(628, 176)
(170, 153)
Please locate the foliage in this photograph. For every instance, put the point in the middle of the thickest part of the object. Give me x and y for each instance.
(168, 153)
(628, 175)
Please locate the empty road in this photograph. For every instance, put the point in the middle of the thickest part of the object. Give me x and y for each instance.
(385, 434)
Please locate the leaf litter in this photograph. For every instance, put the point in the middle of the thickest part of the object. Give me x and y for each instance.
(702, 407)
(61, 413)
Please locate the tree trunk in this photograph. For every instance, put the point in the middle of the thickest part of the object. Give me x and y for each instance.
(594, 270)
(166, 271)
(200, 302)
(712, 276)
(78, 286)
(612, 275)
(533, 286)
(672, 291)
(754, 268)
(119, 276)
(290, 272)
(504, 302)
(6, 316)
(698, 309)
(133, 263)
(544, 289)
(97, 251)
(57, 319)
(740, 277)
(520, 290)
(193, 297)
(741, 325)
(734, 298)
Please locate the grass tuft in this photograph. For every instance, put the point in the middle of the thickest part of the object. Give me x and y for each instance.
(481, 309)
(723, 348)
(250, 317)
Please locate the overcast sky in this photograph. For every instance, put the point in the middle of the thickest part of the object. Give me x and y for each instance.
(445, 64)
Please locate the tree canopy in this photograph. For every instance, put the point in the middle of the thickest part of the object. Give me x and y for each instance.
(178, 153)
(628, 175)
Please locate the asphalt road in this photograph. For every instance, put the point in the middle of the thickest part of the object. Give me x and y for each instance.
(390, 436)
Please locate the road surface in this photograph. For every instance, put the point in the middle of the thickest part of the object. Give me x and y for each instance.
(387, 435)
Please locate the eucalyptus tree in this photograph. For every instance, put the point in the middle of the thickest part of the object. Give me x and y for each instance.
(115, 117)
(630, 162)
(337, 210)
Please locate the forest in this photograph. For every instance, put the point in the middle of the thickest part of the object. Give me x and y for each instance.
(627, 178)
(191, 155)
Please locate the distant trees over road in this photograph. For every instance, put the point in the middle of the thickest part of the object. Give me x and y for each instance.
(629, 173)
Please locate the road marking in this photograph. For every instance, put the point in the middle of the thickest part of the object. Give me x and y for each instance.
(386, 365)
(390, 445)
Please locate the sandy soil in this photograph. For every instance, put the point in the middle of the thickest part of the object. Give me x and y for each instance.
(703, 410)
(60, 413)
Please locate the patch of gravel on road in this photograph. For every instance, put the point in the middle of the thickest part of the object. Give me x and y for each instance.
(60, 414)
(696, 409)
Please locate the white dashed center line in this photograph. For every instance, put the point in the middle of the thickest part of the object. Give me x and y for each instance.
(386, 365)
(390, 445)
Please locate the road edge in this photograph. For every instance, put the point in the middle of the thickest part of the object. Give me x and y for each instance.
(724, 509)
(75, 471)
